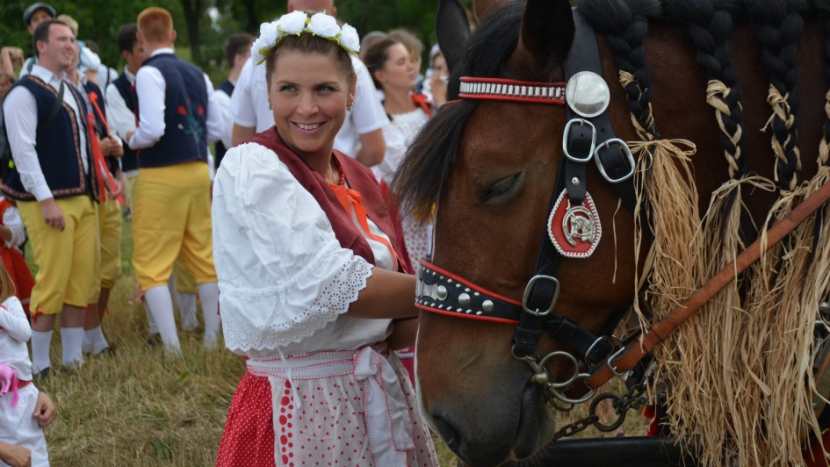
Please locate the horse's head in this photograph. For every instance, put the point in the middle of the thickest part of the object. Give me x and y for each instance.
(490, 169)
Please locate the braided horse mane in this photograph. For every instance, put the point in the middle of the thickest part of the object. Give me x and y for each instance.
(741, 375)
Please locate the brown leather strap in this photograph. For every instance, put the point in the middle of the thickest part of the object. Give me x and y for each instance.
(660, 330)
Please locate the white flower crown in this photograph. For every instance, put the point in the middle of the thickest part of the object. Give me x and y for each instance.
(296, 23)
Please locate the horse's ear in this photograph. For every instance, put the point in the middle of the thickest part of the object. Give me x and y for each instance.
(547, 32)
(453, 31)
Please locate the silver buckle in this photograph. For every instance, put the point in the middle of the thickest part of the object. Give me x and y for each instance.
(528, 289)
(615, 344)
(627, 152)
(611, 365)
(581, 122)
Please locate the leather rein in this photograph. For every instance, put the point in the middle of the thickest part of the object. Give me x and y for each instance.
(573, 231)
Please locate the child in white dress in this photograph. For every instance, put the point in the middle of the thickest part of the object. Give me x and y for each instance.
(24, 411)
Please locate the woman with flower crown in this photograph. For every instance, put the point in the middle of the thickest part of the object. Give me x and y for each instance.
(312, 273)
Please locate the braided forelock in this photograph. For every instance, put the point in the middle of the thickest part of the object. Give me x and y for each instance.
(778, 25)
(625, 25)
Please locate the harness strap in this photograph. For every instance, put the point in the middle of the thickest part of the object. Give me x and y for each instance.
(659, 331)
(611, 154)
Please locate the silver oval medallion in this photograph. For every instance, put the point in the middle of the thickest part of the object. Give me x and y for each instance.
(587, 94)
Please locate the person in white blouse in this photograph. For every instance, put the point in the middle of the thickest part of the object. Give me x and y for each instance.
(314, 290)
(360, 136)
(26, 410)
(178, 119)
(394, 72)
(54, 184)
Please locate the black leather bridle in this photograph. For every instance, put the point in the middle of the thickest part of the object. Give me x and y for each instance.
(586, 138)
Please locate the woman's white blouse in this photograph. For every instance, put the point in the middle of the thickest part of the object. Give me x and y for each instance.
(285, 282)
(399, 134)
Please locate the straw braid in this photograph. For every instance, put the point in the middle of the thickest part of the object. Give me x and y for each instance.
(714, 52)
(778, 29)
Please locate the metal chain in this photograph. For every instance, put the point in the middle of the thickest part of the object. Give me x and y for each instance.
(634, 399)
(576, 427)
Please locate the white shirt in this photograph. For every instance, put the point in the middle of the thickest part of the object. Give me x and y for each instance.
(13, 338)
(399, 135)
(120, 118)
(12, 220)
(249, 106)
(285, 282)
(150, 88)
(223, 101)
(20, 113)
(366, 115)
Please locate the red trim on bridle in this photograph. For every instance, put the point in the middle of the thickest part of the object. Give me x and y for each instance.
(469, 284)
(459, 315)
(509, 90)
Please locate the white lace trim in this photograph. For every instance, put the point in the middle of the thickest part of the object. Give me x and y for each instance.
(335, 294)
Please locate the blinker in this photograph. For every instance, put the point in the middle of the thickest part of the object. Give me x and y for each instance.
(587, 94)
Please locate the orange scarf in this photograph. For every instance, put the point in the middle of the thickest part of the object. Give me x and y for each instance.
(351, 201)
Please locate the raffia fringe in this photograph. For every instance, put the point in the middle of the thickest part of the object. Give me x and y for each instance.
(664, 167)
(740, 373)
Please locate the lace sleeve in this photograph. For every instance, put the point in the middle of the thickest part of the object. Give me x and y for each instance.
(282, 273)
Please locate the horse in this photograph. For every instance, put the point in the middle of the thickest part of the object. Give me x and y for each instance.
(727, 92)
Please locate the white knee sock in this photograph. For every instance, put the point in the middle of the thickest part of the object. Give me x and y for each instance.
(41, 342)
(209, 295)
(95, 341)
(154, 329)
(72, 341)
(187, 310)
(161, 307)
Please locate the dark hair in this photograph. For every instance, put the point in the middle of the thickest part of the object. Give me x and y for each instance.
(92, 45)
(376, 57)
(42, 32)
(127, 37)
(310, 44)
(236, 45)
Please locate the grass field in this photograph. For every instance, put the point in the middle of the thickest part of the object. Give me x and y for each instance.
(138, 408)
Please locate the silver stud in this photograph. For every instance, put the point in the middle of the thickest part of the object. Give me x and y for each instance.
(467, 289)
(487, 305)
(457, 286)
(440, 307)
(575, 181)
(469, 311)
(464, 299)
(449, 281)
(442, 292)
(478, 313)
(476, 294)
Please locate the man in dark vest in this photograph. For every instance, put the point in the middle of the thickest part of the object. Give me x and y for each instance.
(55, 183)
(237, 52)
(178, 118)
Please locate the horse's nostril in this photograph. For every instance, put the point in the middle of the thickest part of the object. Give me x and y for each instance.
(448, 433)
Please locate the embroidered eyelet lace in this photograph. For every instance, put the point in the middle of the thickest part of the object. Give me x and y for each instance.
(288, 324)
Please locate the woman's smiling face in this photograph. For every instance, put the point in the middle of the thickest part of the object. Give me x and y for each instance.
(309, 94)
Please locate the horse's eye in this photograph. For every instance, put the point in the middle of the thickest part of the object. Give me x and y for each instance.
(500, 190)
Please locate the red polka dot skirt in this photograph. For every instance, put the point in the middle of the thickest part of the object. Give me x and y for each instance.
(326, 429)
